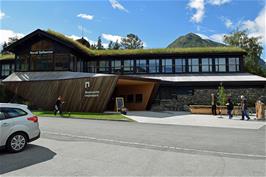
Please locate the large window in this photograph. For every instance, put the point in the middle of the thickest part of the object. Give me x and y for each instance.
(180, 65)
(154, 65)
(167, 65)
(116, 66)
(206, 64)
(92, 66)
(44, 62)
(193, 65)
(128, 66)
(141, 66)
(220, 65)
(22, 63)
(6, 69)
(61, 62)
(233, 64)
(104, 66)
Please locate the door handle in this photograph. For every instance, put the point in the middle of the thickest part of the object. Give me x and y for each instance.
(5, 124)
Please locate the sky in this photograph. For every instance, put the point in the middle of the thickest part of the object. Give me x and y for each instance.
(156, 22)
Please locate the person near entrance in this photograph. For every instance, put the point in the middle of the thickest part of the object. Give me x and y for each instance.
(213, 103)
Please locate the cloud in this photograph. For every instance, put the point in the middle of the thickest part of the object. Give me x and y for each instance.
(85, 16)
(112, 38)
(199, 6)
(219, 37)
(116, 5)
(218, 2)
(2, 14)
(5, 34)
(227, 22)
(256, 27)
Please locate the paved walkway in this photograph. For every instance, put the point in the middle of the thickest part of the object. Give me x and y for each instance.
(185, 118)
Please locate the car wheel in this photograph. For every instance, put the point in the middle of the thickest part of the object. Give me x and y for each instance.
(17, 142)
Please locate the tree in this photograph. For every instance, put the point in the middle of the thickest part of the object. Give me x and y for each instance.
(4, 46)
(11, 40)
(132, 41)
(99, 45)
(110, 45)
(221, 96)
(117, 45)
(253, 48)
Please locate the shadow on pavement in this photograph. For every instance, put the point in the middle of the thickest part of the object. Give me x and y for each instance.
(32, 155)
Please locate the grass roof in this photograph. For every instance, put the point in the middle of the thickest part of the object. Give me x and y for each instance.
(7, 57)
(194, 50)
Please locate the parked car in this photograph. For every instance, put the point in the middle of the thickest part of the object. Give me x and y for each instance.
(18, 127)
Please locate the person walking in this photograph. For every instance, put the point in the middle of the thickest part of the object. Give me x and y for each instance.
(58, 106)
(244, 108)
(213, 103)
(230, 107)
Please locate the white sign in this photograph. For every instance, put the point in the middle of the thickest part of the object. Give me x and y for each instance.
(92, 93)
(41, 52)
(87, 85)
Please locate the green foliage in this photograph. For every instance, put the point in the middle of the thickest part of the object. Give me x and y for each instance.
(99, 45)
(193, 40)
(221, 100)
(253, 48)
(7, 56)
(4, 46)
(132, 41)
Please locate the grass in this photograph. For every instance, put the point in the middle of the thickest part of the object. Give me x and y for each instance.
(193, 50)
(7, 57)
(85, 115)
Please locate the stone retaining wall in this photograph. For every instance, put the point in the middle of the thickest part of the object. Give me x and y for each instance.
(203, 97)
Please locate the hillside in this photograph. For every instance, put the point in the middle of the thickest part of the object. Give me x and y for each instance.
(193, 40)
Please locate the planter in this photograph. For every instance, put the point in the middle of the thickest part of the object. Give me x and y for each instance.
(207, 109)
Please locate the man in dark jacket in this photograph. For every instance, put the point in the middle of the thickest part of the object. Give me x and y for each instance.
(213, 103)
(58, 106)
(230, 107)
(244, 108)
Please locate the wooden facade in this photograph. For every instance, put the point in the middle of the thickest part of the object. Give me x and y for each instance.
(43, 94)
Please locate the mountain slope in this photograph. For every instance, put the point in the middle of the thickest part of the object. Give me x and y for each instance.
(193, 40)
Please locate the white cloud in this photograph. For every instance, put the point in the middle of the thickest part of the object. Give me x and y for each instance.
(228, 23)
(256, 27)
(203, 36)
(5, 34)
(199, 6)
(85, 16)
(116, 5)
(218, 2)
(112, 38)
(218, 37)
(2, 14)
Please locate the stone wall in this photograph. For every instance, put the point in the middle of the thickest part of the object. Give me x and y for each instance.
(203, 97)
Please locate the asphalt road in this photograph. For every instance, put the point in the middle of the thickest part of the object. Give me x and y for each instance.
(109, 148)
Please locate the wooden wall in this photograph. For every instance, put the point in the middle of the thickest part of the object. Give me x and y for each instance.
(43, 94)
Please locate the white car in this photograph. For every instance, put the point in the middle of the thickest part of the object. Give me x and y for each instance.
(18, 126)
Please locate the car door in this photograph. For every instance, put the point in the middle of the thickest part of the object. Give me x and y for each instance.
(2, 116)
(6, 125)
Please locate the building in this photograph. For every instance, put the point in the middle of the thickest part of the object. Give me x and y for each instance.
(47, 64)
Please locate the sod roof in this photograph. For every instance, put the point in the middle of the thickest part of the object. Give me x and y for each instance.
(160, 51)
(7, 57)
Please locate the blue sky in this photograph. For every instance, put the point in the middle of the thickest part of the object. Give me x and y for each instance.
(157, 23)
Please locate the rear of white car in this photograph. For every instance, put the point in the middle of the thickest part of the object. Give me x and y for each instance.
(18, 126)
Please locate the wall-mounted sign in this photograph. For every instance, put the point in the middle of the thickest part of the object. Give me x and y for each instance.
(41, 52)
(92, 93)
(87, 85)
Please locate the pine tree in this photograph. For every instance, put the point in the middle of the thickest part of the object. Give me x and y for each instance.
(117, 45)
(99, 45)
(110, 45)
(4, 46)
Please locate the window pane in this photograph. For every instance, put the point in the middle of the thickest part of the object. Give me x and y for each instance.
(141, 66)
(167, 65)
(116, 66)
(154, 66)
(193, 65)
(128, 66)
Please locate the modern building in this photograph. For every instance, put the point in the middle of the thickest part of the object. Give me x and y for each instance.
(47, 64)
